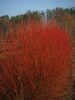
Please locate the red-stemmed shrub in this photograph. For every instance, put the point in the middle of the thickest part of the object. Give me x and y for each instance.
(35, 63)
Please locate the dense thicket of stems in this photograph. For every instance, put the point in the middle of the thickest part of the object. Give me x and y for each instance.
(35, 62)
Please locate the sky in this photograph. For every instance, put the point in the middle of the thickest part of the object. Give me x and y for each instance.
(16, 7)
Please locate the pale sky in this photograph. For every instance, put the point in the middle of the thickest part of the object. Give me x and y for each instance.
(14, 7)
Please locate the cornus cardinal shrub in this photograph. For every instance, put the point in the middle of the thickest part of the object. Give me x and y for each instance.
(35, 64)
